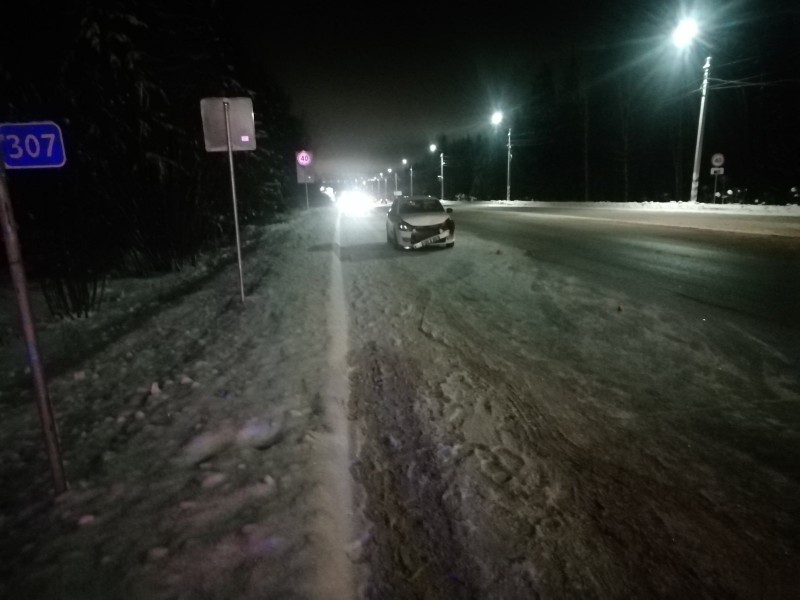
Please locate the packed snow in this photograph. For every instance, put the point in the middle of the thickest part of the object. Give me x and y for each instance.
(376, 424)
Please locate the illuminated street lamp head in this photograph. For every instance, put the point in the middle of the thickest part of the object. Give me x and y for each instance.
(684, 33)
(433, 147)
(405, 162)
(389, 169)
(497, 117)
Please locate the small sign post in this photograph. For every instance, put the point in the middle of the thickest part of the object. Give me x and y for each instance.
(31, 146)
(717, 160)
(228, 125)
(304, 173)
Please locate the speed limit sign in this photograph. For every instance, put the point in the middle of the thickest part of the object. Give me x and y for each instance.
(304, 158)
(718, 160)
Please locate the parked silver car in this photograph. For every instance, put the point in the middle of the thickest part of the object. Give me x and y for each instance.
(419, 221)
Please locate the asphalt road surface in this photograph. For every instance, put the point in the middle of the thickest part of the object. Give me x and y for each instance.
(573, 404)
(684, 261)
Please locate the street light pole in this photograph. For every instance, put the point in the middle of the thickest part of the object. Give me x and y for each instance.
(411, 179)
(508, 168)
(441, 169)
(497, 118)
(699, 147)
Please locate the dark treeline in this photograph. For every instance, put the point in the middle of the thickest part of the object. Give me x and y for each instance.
(616, 117)
(138, 194)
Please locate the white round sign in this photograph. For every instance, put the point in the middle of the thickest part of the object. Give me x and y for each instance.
(718, 160)
(303, 158)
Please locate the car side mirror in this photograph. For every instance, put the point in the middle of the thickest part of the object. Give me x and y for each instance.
(448, 209)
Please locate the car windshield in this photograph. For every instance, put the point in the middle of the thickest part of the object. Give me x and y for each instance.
(421, 206)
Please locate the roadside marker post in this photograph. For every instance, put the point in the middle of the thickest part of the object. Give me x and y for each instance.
(717, 160)
(31, 146)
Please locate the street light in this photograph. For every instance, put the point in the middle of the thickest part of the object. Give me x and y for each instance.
(497, 118)
(683, 35)
(441, 168)
(395, 180)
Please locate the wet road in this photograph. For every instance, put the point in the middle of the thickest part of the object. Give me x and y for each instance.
(754, 275)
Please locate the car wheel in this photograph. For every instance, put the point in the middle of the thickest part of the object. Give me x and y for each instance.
(389, 239)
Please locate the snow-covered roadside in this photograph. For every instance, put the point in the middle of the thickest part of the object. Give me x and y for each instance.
(496, 399)
(197, 443)
(529, 432)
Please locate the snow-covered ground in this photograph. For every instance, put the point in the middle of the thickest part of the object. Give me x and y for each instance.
(208, 443)
(196, 434)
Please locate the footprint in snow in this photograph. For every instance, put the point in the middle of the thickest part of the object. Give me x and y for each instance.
(261, 433)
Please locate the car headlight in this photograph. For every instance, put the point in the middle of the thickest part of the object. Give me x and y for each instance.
(404, 226)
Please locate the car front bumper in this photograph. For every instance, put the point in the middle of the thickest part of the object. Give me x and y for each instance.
(419, 237)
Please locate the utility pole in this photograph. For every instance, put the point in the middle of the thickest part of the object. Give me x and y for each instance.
(508, 168)
(699, 147)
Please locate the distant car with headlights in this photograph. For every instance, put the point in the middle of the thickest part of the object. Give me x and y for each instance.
(417, 221)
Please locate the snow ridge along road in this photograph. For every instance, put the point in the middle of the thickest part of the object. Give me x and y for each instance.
(336, 573)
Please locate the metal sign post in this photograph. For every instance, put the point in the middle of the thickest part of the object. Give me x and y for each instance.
(226, 106)
(716, 172)
(305, 174)
(717, 160)
(21, 147)
(228, 125)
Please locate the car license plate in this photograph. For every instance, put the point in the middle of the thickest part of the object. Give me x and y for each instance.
(431, 240)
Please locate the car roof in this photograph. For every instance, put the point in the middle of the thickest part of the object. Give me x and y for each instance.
(407, 198)
(418, 199)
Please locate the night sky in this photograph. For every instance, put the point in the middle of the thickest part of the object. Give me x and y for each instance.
(374, 87)
(377, 87)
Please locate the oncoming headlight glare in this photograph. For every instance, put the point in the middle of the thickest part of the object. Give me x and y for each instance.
(355, 203)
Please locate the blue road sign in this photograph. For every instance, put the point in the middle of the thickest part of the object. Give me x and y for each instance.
(32, 145)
